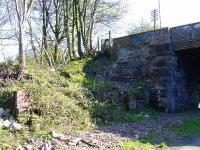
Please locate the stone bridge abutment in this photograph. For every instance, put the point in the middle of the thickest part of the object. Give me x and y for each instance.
(167, 60)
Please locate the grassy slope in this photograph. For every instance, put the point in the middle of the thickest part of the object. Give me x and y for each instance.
(57, 104)
(54, 100)
(72, 99)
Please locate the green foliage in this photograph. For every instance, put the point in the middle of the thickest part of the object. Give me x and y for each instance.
(5, 97)
(151, 137)
(141, 145)
(138, 90)
(137, 145)
(106, 51)
(106, 113)
(84, 72)
(9, 64)
(186, 128)
(138, 115)
(146, 143)
(12, 139)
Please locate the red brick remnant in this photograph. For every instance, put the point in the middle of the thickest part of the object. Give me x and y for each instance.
(21, 101)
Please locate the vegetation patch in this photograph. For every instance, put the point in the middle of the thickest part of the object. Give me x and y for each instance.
(139, 115)
(141, 145)
(186, 128)
(10, 140)
(55, 103)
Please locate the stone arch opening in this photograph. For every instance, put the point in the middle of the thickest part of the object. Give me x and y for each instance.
(189, 61)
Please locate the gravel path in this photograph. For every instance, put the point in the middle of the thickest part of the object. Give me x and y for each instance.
(110, 137)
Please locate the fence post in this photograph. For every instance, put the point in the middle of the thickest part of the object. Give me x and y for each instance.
(110, 40)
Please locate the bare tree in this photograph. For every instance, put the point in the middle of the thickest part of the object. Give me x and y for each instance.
(23, 9)
(142, 26)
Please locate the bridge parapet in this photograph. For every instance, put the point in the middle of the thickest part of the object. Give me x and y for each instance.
(176, 38)
(157, 37)
(185, 37)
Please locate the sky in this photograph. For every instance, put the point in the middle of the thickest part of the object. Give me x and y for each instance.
(173, 13)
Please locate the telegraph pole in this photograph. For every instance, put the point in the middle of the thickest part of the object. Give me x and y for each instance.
(154, 17)
(159, 13)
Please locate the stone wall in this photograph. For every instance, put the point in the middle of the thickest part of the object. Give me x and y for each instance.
(166, 80)
(151, 57)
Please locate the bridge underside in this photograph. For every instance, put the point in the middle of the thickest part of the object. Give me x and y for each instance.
(189, 60)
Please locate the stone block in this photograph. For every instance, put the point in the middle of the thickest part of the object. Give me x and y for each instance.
(21, 101)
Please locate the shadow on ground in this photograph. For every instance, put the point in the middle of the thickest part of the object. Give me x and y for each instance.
(186, 141)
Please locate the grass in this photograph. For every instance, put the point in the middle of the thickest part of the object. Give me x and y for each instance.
(137, 145)
(141, 115)
(189, 127)
(12, 139)
(147, 143)
(141, 145)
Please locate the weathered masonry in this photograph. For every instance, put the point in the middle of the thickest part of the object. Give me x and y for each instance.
(167, 59)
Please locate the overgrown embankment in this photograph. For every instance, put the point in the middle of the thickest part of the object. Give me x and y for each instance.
(75, 97)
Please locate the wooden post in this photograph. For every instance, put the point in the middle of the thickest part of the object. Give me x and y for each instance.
(98, 44)
(110, 39)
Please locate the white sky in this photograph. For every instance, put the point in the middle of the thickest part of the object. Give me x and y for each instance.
(173, 13)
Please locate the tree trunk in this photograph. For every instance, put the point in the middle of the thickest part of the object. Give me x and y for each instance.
(80, 52)
(22, 61)
(32, 42)
(82, 23)
(44, 30)
(56, 50)
(73, 33)
(66, 27)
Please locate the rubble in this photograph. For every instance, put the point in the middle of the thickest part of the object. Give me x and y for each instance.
(7, 121)
(17, 126)
(142, 114)
(57, 136)
(6, 124)
(1, 112)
